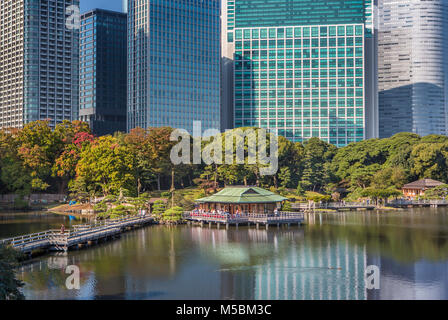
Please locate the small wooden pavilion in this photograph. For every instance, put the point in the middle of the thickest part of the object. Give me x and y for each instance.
(243, 200)
(417, 188)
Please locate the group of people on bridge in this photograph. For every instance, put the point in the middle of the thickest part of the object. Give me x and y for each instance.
(214, 212)
(222, 213)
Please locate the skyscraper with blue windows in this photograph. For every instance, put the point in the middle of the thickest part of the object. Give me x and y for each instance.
(173, 63)
(301, 68)
(103, 71)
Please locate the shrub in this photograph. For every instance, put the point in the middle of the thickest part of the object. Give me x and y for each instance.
(119, 211)
(317, 197)
(20, 203)
(110, 198)
(103, 215)
(101, 207)
(287, 207)
(173, 214)
(158, 207)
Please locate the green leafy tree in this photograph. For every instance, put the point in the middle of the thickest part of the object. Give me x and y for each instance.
(285, 177)
(430, 160)
(363, 175)
(160, 146)
(38, 148)
(75, 136)
(380, 194)
(138, 144)
(389, 177)
(439, 192)
(104, 167)
(9, 285)
(316, 164)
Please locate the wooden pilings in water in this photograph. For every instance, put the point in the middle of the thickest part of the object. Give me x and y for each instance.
(283, 219)
(237, 225)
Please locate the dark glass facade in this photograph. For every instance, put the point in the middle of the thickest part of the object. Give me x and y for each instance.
(103, 71)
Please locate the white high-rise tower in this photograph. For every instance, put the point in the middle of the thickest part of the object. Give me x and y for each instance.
(39, 57)
(413, 67)
(125, 6)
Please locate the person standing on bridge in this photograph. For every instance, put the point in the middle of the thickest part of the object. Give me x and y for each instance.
(62, 228)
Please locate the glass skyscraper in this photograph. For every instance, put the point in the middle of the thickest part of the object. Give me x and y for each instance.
(413, 67)
(103, 71)
(39, 58)
(173, 63)
(301, 68)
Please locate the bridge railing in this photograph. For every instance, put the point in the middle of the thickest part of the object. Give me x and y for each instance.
(56, 236)
(281, 216)
(21, 241)
(106, 224)
(245, 217)
(326, 205)
(418, 202)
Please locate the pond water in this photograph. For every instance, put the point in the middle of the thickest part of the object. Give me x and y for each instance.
(326, 259)
(19, 223)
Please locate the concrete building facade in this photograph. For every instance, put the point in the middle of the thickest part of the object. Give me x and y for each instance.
(413, 67)
(39, 59)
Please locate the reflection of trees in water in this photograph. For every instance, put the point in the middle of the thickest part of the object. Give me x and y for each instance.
(282, 264)
(143, 254)
(48, 272)
(403, 236)
(20, 223)
(242, 253)
(244, 247)
(322, 260)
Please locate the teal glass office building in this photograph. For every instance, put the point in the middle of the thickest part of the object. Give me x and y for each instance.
(173, 63)
(301, 68)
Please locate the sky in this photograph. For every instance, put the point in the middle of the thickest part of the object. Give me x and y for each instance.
(87, 5)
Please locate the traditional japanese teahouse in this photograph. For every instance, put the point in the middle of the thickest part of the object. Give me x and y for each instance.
(417, 188)
(243, 199)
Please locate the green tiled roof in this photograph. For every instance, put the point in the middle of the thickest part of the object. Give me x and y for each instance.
(243, 195)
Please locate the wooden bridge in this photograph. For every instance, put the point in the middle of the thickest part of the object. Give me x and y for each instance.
(257, 219)
(55, 240)
(402, 203)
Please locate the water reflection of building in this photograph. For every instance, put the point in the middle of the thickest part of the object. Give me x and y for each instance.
(283, 265)
(410, 281)
(309, 271)
(237, 286)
